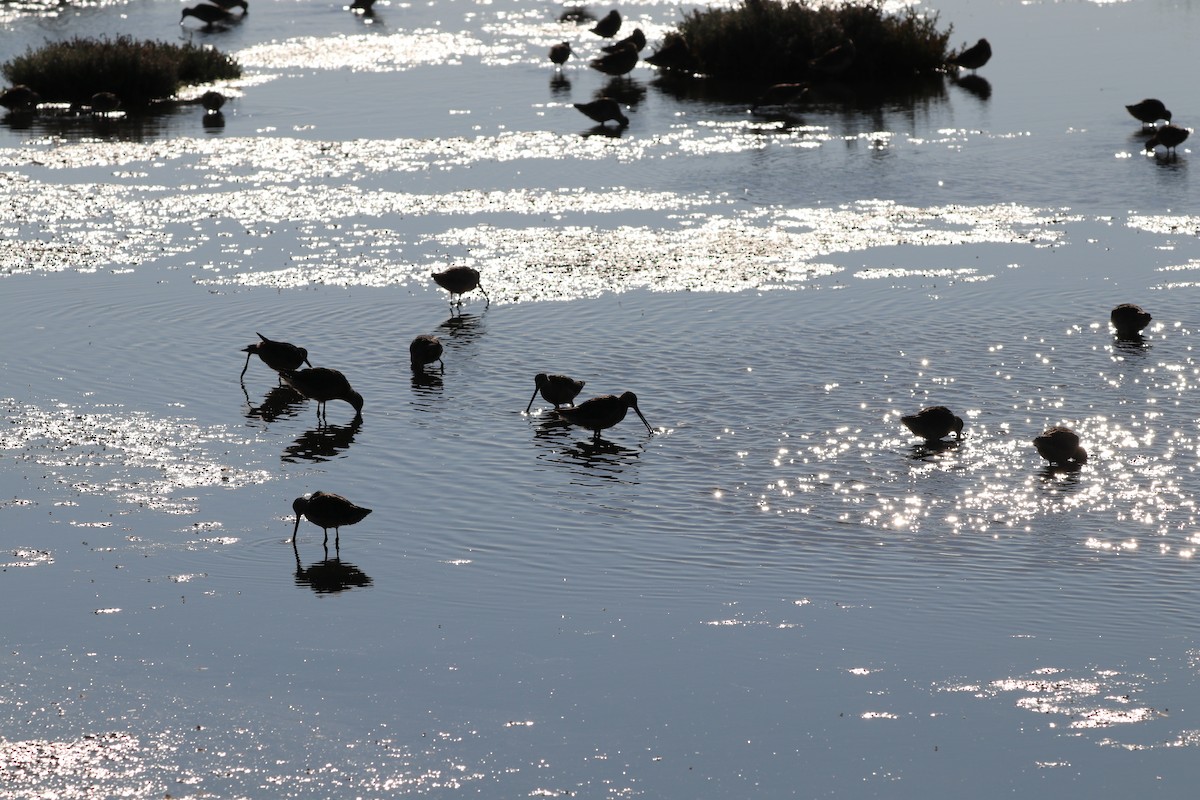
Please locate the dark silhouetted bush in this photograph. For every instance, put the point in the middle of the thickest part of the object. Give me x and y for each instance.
(136, 71)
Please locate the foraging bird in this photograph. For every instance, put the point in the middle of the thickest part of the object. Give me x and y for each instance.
(327, 510)
(365, 6)
(560, 52)
(933, 423)
(603, 412)
(1060, 445)
(557, 389)
(323, 384)
(637, 39)
(781, 94)
(1169, 136)
(230, 5)
(603, 110)
(212, 101)
(674, 54)
(458, 281)
(1149, 111)
(20, 98)
(974, 56)
(609, 25)
(105, 103)
(425, 349)
(207, 14)
(618, 62)
(279, 356)
(1129, 319)
(835, 60)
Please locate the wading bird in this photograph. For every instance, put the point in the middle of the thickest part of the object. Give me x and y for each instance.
(1129, 319)
(425, 349)
(279, 356)
(459, 281)
(603, 110)
(934, 423)
(1060, 446)
(327, 510)
(609, 25)
(323, 384)
(603, 412)
(560, 52)
(974, 56)
(619, 62)
(1169, 136)
(209, 15)
(557, 389)
(1149, 111)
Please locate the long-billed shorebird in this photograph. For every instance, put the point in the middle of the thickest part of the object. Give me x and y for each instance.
(279, 356)
(1169, 136)
(933, 423)
(459, 281)
(327, 510)
(603, 110)
(425, 349)
(560, 52)
(619, 62)
(608, 25)
(208, 14)
(973, 57)
(557, 389)
(1129, 319)
(603, 412)
(1060, 446)
(1149, 111)
(323, 384)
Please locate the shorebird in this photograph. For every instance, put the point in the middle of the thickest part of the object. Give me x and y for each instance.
(1129, 319)
(230, 5)
(1169, 136)
(603, 110)
(835, 60)
(365, 6)
(781, 94)
(609, 25)
(104, 103)
(637, 39)
(974, 56)
(425, 349)
(323, 384)
(603, 412)
(459, 281)
(557, 389)
(279, 356)
(934, 423)
(1149, 111)
(20, 98)
(207, 14)
(618, 62)
(674, 54)
(212, 101)
(327, 510)
(560, 52)
(1060, 445)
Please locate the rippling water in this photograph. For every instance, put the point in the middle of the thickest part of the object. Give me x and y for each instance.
(778, 593)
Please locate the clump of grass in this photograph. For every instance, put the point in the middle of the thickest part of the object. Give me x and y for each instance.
(136, 71)
(773, 40)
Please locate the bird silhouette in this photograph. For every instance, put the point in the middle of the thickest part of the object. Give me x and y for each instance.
(1149, 111)
(327, 510)
(557, 389)
(1128, 319)
(603, 110)
(425, 349)
(608, 25)
(603, 412)
(974, 56)
(933, 423)
(1169, 136)
(1060, 445)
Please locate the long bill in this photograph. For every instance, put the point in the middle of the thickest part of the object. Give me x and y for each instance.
(641, 416)
(296, 529)
(535, 391)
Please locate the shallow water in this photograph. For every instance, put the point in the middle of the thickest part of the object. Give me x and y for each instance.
(778, 593)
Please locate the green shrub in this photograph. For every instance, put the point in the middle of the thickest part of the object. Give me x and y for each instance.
(773, 40)
(136, 71)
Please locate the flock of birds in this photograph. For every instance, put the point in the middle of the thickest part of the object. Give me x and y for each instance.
(1059, 445)
(323, 384)
(1150, 112)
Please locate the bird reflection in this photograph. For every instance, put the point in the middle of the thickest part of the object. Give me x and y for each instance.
(595, 457)
(462, 328)
(975, 84)
(924, 451)
(559, 84)
(624, 90)
(330, 575)
(426, 383)
(1131, 344)
(604, 130)
(214, 121)
(282, 401)
(323, 443)
(1065, 476)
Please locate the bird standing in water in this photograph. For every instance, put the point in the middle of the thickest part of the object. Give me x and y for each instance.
(327, 510)
(279, 356)
(323, 384)
(209, 15)
(459, 281)
(974, 56)
(619, 62)
(560, 52)
(1149, 111)
(1169, 136)
(603, 110)
(637, 39)
(934, 423)
(557, 389)
(1129, 319)
(20, 98)
(1060, 446)
(425, 349)
(603, 412)
(608, 25)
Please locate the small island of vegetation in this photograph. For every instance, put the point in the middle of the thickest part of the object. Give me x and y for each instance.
(790, 40)
(138, 72)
